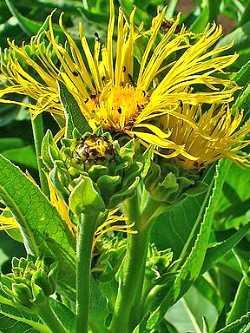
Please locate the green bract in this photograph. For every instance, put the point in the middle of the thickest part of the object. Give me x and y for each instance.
(115, 175)
(30, 282)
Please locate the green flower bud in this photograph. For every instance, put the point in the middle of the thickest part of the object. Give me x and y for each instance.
(167, 183)
(31, 282)
(158, 262)
(110, 254)
(115, 171)
(22, 294)
(38, 294)
(42, 280)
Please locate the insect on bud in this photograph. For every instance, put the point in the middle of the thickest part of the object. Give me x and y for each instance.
(94, 149)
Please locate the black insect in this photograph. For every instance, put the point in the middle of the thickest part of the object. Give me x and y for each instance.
(97, 37)
(166, 25)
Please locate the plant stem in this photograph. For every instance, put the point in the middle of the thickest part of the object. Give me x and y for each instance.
(49, 318)
(133, 267)
(38, 133)
(84, 251)
(131, 283)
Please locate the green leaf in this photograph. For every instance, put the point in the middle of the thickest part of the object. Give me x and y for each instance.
(242, 102)
(209, 10)
(95, 17)
(66, 5)
(9, 248)
(234, 203)
(37, 218)
(124, 194)
(65, 315)
(24, 156)
(241, 303)
(202, 20)
(99, 309)
(11, 323)
(107, 185)
(38, 134)
(214, 9)
(175, 228)
(140, 14)
(240, 38)
(209, 291)
(49, 151)
(73, 114)
(85, 199)
(14, 320)
(242, 76)
(191, 268)
(239, 326)
(216, 252)
(187, 314)
(10, 143)
(30, 27)
(245, 16)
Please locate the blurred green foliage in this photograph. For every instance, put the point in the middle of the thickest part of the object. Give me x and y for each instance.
(211, 295)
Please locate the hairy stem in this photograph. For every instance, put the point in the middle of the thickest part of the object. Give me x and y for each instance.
(131, 283)
(84, 252)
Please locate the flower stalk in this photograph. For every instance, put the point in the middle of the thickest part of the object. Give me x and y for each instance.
(84, 250)
(131, 283)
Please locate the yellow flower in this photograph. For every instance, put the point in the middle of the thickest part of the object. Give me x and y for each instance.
(130, 82)
(7, 222)
(114, 223)
(222, 134)
(16, 66)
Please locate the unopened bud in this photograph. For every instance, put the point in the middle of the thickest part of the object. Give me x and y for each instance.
(22, 294)
(44, 282)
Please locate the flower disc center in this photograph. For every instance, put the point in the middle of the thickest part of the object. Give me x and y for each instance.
(117, 108)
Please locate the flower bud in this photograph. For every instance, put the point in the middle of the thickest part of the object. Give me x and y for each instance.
(22, 294)
(94, 150)
(42, 280)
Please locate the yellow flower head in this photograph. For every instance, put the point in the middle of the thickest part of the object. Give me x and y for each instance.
(128, 83)
(29, 71)
(217, 134)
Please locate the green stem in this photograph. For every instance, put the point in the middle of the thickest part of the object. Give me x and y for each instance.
(84, 252)
(133, 267)
(49, 318)
(131, 283)
(38, 133)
